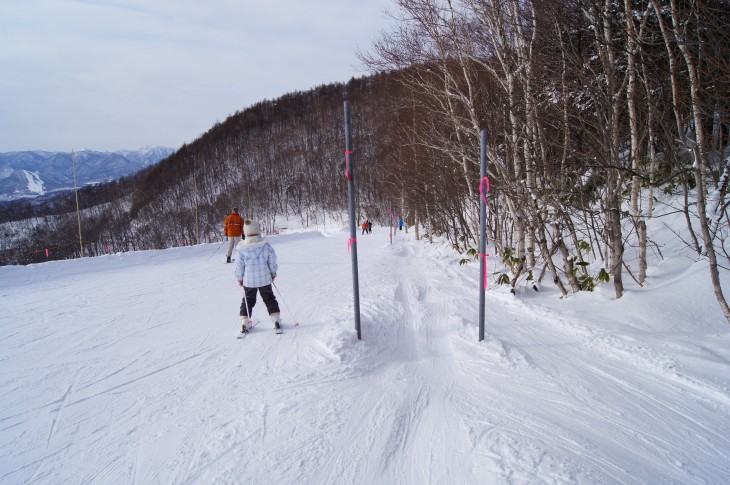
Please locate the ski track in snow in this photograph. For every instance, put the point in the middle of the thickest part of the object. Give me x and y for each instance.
(126, 369)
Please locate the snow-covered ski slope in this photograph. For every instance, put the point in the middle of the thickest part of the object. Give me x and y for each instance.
(126, 369)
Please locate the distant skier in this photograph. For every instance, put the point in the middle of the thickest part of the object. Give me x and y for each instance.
(255, 271)
(364, 227)
(233, 228)
(370, 227)
(400, 224)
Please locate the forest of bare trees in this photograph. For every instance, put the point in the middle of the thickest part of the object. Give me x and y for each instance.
(593, 110)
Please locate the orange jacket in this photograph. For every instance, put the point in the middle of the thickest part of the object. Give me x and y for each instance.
(233, 226)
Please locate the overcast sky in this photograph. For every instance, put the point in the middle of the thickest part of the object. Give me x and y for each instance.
(122, 74)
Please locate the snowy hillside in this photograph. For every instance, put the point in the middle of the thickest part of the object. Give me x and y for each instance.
(126, 369)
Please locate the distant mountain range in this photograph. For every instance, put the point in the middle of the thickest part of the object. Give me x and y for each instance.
(32, 174)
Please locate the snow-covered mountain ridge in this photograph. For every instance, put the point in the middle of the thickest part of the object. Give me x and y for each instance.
(29, 174)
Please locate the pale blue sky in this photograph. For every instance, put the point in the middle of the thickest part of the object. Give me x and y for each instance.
(122, 74)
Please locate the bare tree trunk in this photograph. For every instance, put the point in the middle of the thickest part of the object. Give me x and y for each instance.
(498, 22)
(614, 185)
(651, 142)
(524, 57)
(685, 209)
(568, 266)
(701, 161)
(632, 39)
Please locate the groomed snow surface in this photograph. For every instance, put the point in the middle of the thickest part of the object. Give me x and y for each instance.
(127, 369)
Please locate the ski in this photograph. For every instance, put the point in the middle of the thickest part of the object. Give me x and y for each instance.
(242, 335)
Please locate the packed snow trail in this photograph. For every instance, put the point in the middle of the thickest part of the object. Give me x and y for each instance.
(126, 369)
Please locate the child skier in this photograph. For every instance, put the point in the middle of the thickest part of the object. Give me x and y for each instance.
(255, 271)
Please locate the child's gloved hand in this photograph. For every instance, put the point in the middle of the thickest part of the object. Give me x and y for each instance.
(240, 282)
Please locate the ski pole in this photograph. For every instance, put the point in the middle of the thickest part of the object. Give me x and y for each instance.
(296, 324)
(216, 250)
(248, 311)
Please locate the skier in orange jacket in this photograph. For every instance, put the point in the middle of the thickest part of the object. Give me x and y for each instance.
(233, 228)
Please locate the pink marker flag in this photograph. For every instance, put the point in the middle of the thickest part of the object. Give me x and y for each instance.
(348, 176)
(482, 184)
(484, 259)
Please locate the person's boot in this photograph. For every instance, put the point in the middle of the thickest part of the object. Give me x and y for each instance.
(276, 318)
(245, 324)
(228, 259)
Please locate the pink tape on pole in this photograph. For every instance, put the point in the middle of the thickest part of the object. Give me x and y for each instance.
(350, 243)
(485, 181)
(484, 283)
(46, 252)
(108, 250)
(348, 175)
(482, 185)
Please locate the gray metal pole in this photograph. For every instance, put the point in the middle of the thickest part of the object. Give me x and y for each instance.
(78, 212)
(353, 231)
(482, 234)
(390, 215)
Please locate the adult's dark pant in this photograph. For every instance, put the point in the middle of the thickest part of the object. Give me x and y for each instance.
(267, 295)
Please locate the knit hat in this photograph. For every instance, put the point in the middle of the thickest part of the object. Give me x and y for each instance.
(235, 209)
(251, 228)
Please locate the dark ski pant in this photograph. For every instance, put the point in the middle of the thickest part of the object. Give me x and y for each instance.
(267, 295)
